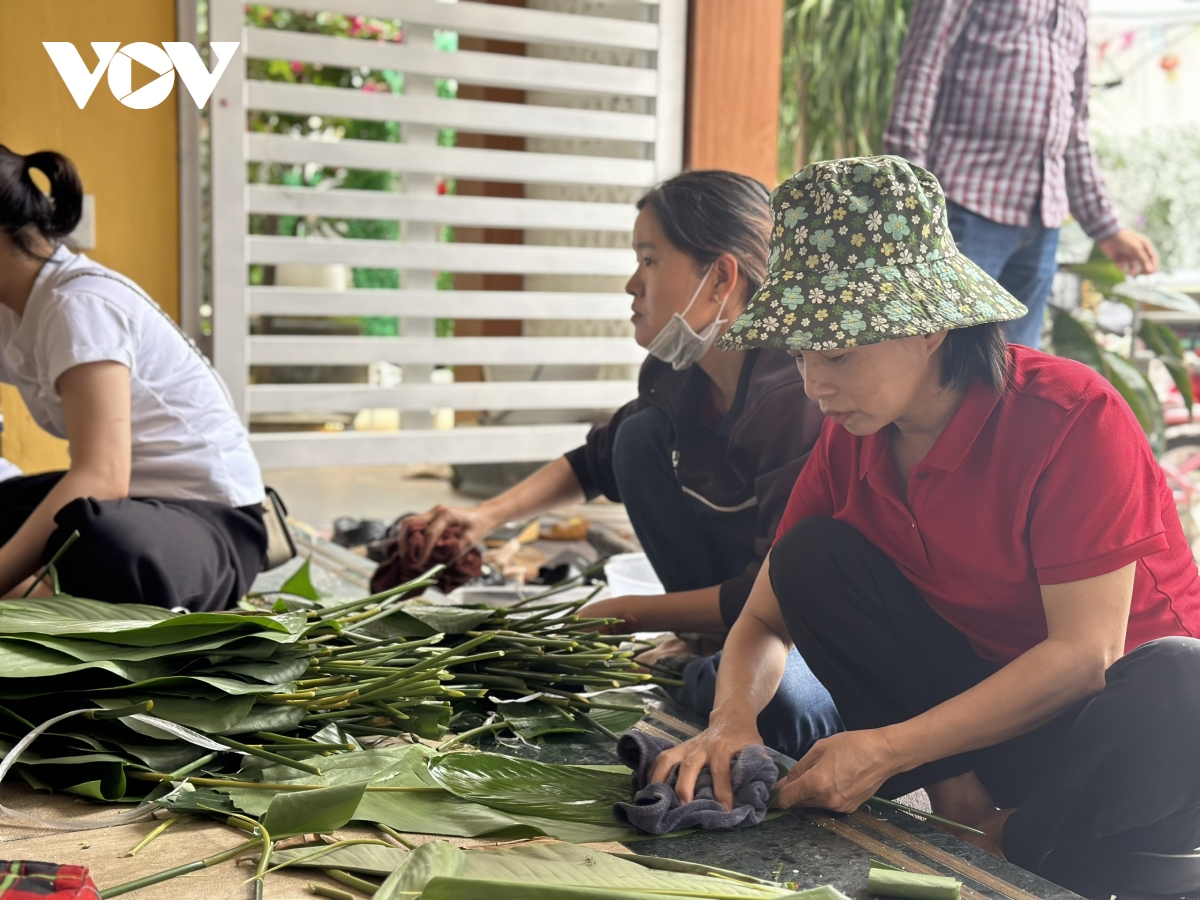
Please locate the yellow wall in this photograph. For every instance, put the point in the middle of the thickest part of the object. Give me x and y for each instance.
(128, 158)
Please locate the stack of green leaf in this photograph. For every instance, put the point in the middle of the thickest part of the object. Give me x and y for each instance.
(292, 685)
(207, 672)
(531, 670)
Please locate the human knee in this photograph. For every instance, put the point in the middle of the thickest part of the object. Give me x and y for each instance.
(1164, 672)
(814, 542)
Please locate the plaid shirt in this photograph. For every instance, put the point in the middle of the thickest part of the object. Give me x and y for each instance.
(991, 96)
(21, 880)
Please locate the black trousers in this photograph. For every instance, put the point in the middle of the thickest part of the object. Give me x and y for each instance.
(1101, 792)
(173, 553)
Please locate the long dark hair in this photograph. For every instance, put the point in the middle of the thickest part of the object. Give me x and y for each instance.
(707, 213)
(978, 352)
(25, 210)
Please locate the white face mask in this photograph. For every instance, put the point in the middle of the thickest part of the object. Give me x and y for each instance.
(678, 344)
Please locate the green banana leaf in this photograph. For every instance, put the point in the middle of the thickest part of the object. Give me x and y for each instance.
(28, 661)
(419, 620)
(366, 859)
(140, 632)
(204, 686)
(275, 718)
(299, 584)
(528, 787)
(81, 609)
(267, 671)
(533, 720)
(257, 647)
(322, 811)
(213, 716)
(556, 868)
(562, 789)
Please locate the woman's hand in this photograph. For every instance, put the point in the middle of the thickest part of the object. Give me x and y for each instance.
(623, 608)
(474, 524)
(841, 772)
(687, 611)
(714, 748)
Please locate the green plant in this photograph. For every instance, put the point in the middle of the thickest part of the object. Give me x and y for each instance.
(839, 62)
(360, 78)
(1075, 335)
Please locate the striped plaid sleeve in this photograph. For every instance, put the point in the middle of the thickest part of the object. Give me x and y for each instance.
(934, 28)
(1089, 200)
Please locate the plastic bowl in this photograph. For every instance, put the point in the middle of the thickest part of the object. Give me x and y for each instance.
(632, 574)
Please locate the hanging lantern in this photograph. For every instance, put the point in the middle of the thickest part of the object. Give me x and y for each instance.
(1170, 64)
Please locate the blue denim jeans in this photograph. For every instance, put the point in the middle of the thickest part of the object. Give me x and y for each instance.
(1021, 258)
(692, 549)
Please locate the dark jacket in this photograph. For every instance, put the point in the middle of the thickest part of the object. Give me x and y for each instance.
(754, 454)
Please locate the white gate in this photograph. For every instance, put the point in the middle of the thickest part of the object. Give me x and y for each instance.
(654, 29)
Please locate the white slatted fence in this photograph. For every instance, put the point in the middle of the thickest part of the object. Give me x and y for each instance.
(634, 141)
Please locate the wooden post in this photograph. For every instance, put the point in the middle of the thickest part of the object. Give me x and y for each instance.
(735, 57)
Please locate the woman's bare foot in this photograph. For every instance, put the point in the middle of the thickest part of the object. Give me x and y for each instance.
(965, 800)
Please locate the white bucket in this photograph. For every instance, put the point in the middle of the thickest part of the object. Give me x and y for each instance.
(632, 574)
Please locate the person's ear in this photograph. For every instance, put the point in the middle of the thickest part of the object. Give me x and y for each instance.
(725, 281)
(934, 342)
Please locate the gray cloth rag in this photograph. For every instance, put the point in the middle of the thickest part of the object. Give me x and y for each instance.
(655, 808)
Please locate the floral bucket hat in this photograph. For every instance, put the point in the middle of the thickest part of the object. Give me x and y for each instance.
(861, 253)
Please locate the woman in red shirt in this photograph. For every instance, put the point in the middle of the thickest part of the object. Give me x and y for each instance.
(981, 561)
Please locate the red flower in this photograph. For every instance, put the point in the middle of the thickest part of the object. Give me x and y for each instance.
(297, 68)
(356, 25)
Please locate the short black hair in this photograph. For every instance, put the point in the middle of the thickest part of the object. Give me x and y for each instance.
(24, 209)
(710, 212)
(979, 352)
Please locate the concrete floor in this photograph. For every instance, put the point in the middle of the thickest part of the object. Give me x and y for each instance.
(318, 496)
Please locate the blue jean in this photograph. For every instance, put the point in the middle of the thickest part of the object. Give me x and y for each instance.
(692, 547)
(1021, 258)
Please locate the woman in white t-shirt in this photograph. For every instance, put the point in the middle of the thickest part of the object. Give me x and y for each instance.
(163, 487)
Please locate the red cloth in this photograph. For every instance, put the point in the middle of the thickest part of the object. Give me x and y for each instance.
(22, 880)
(1053, 482)
(992, 97)
(402, 563)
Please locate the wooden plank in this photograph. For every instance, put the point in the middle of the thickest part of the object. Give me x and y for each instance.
(476, 212)
(442, 257)
(306, 450)
(473, 115)
(467, 66)
(457, 162)
(733, 91)
(500, 22)
(228, 187)
(287, 301)
(279, 350)
(286, 398)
